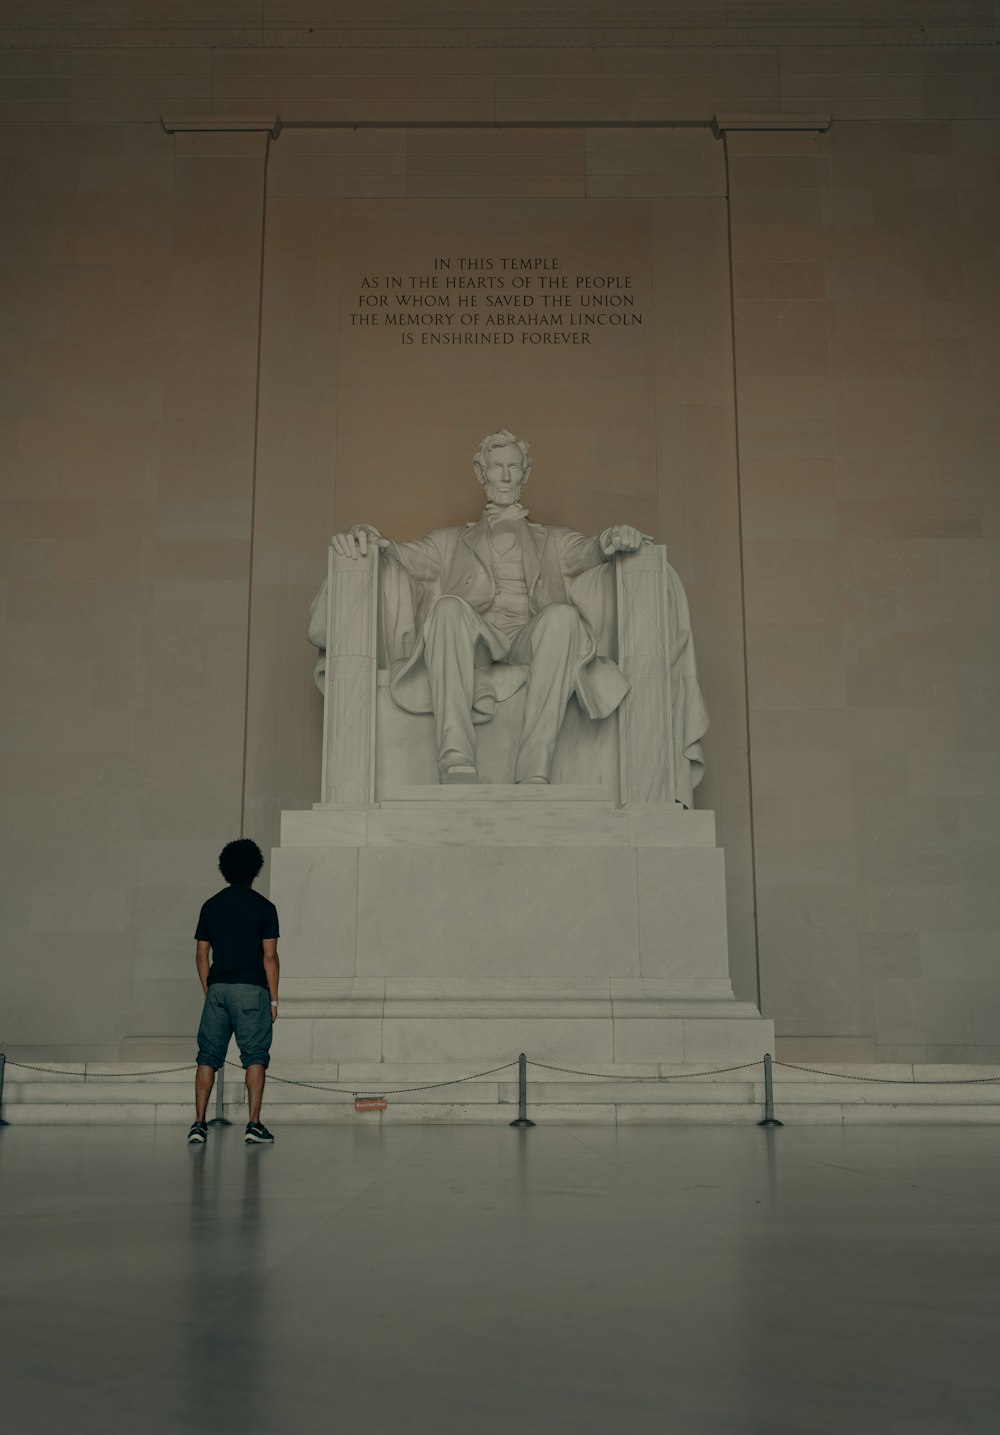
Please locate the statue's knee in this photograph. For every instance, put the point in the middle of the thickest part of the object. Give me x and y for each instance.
(559, 618)
(447, 612)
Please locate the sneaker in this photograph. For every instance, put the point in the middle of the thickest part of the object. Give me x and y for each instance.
(256, 1134)
(198, 1134)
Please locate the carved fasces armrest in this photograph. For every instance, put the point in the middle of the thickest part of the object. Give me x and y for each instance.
(354, 585)
(350, 676)
(365, 618)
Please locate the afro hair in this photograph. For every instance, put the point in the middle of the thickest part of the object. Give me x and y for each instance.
(240, 861)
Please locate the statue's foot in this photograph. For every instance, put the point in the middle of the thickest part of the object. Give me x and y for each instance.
(523, 781)
(461, 772)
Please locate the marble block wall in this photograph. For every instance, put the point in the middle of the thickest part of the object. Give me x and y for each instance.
(153, 699)
(131, 278)
(867, 300)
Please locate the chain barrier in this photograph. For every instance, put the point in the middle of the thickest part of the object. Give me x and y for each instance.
(97, 1075)
(541, 1065)
(287, 1081)
(522, 1062)
(547, 1066)
(284, 1080)
(890, 1080)
(397, 1091)
(674, 1076)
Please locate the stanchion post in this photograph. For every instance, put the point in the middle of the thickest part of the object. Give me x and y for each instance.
(522, 1092)
(3, 1064)
(769, 1117)
(220, 1119)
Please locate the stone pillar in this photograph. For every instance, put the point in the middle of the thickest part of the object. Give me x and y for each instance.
(351, 679)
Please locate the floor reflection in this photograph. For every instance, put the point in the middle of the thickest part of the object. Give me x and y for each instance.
(225, 1346)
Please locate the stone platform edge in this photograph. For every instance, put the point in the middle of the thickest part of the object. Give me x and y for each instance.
(485, 817)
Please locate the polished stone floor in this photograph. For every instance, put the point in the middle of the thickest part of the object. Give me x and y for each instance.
(478, 1280)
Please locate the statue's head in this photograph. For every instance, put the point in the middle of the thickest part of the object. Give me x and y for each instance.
(502, 465)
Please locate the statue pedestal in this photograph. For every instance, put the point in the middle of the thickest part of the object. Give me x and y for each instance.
(452, 928)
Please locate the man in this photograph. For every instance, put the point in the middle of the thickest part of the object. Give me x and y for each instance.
(498, 590)
(237, 961)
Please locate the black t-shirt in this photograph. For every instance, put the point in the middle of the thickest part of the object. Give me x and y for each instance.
(236, 921)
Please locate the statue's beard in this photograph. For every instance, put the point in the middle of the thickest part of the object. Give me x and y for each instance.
(503, 497)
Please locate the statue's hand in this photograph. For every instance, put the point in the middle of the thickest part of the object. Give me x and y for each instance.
(622, 538)
(355, 541)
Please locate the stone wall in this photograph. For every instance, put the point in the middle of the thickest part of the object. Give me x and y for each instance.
(131, 279)
(146, 276)
(866, 304)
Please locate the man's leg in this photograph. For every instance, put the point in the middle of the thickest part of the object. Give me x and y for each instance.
(204, 1080)
(551, 644)
(450, 636)
(256, 1075)
(214, 1031)
(254, 1027)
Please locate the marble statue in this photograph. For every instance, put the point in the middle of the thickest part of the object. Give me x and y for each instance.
(554, 674)
(494, 613)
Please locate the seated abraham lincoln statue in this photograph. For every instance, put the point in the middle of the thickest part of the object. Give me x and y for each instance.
(493, 607)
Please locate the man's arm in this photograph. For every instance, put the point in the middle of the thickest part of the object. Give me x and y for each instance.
(201, 955)
(272, 970)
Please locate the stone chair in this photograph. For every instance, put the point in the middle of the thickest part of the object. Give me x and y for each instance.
(648, 751)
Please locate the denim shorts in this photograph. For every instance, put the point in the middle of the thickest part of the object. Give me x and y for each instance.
(235, 1007)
